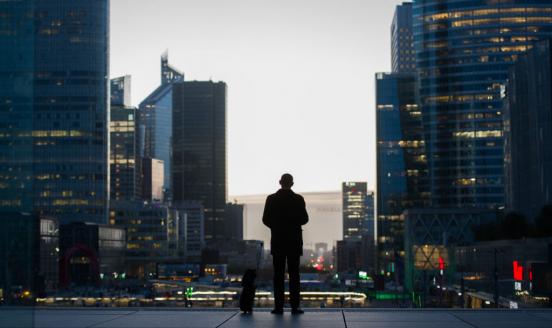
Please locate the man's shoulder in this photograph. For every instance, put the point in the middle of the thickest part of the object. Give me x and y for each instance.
(299, 196)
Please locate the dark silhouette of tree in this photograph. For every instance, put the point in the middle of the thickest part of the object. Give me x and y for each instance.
(514, 226)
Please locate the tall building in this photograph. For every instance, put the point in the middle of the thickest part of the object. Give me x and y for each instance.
(234, 220)
(400, 161)
(528, 132)
(464, 50)
(156, 112)
(199, 151)
(54, 108)
(357, 219)
(124, 162)
(403, 56)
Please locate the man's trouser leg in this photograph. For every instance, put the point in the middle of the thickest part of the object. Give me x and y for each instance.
(294, 281)
(279, 262)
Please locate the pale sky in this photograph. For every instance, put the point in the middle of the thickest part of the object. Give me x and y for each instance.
(300, 77)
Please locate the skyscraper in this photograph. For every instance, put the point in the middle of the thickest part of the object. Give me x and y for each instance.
(401, 163)
(54, 108)
(528, 132)
(356, 216)
(124, 161)
(403, 57)
(464, 50)
(199, 151)
(156, 119)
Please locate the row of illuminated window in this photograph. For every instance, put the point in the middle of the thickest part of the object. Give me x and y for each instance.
(125, 123)
(501, 20)
(122, 129)
(478, 134)
(486, 12)
(122, 160)
(477, 181)
(460, 98)
(411, 143)
(474, 41)
(467, 117)
(48, 133)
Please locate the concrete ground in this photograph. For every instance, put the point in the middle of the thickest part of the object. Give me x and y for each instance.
(197, 318)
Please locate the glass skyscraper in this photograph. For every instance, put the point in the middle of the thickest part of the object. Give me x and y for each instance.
(403, 57)
(401, 162)
(123, 159)
(54, 108)
(156, 113)
(464, 50)
(199, 170)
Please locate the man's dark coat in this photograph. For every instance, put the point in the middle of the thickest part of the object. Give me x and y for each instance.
(284, 214)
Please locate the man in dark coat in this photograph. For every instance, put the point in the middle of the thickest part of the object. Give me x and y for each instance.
(284, 214)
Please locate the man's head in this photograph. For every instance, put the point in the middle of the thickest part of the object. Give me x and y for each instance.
(286, 181)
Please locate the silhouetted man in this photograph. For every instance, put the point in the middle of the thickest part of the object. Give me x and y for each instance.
(284, 214)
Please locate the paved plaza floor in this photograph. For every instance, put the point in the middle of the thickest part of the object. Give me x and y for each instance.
(195, 318)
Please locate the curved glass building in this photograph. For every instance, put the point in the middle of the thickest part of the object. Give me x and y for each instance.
(464, 50)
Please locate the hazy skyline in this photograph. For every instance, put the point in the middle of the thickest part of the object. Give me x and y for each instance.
(300, 78)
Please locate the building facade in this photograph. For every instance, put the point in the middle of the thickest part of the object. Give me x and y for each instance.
(430, 235)
(124, 161)
(54, 108)
(156, 116)
(528, 132)
(400, 161)
(403, 56)
(152, 235)
(190, 230)
(464, 50)
(199, 170)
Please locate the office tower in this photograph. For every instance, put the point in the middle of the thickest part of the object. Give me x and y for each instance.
(401, 170)
(199, 151)
(234, 221)
(464, 50)
(54, 108)
(152, 178)
(403, 57)
(528, 132)
(356, 217)
(124, 162)
(156, 112)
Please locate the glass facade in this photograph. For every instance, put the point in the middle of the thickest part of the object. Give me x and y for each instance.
(403, 57)
(464, 49)
(156, 115)
(199, 151)
(401, 162)
(528, 132)
(123, 158)
(54, 108)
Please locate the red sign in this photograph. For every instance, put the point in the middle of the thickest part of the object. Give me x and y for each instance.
(441, 263)
(518, 271)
